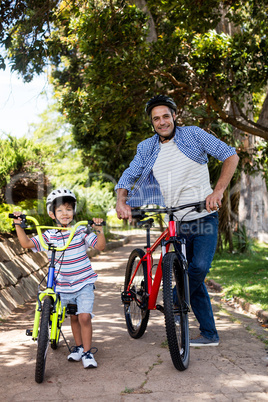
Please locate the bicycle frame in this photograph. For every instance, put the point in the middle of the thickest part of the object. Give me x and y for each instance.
(142, 284)
(154, 285)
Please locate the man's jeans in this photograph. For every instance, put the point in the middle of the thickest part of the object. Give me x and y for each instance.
(201, 241)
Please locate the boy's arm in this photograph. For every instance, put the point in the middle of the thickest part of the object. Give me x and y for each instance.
(24, 240)
(101, 242)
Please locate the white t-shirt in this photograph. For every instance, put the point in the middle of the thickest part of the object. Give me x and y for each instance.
(181, 180)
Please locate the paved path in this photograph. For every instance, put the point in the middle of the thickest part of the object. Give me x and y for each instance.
(135, 370)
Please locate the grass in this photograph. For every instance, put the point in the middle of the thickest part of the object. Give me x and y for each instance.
(243, 275)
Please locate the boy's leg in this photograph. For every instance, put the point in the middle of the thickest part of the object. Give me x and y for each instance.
(76, 330)
(85, 327)
(85, 302)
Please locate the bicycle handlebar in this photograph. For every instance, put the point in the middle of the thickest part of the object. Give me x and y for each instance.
(23, 224)
(140, 213)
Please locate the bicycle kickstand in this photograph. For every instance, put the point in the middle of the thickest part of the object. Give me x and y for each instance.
(65, 341)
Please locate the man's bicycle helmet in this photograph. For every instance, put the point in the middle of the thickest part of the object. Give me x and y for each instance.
(62, 193)
(160, 100)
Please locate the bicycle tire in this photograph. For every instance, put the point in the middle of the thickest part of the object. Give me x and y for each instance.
(136, 311)
(43, 341)
(176, 319)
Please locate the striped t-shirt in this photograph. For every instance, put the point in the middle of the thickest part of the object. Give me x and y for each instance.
(181, 179)
(73, 268)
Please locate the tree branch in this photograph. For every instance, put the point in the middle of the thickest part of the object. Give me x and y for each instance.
(242, 114)
(171, 78)
(260, 132)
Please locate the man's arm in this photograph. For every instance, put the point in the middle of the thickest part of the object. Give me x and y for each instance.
(213, 201)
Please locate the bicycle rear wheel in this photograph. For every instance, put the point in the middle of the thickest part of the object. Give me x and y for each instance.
(43, 341)
(135, 309)
(176, 316)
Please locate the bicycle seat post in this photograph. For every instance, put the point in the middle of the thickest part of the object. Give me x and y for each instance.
(148, 240)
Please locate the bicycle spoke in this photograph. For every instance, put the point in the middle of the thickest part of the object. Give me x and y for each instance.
(135, 298)
(176, 311)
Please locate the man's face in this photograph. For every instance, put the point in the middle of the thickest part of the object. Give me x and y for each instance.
(163, 121)
(64, 214)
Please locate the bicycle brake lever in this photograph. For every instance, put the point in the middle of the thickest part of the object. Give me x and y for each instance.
(23, 224)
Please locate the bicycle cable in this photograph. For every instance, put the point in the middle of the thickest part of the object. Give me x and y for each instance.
(60, 257)
(181, 220)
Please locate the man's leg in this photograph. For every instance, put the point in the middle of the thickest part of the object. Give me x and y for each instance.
(202, 242)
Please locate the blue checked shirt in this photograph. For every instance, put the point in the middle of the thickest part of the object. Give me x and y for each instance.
(194, 142)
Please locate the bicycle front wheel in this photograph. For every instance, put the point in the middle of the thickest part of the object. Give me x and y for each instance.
(43, 341)
(176, 310)
(136, 311)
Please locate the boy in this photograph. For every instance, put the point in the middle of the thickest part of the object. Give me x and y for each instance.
(73, 272)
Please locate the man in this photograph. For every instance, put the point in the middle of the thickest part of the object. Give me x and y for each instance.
(172, 170)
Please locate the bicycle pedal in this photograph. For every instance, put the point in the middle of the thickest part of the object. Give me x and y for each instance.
(29, 332)
(160, 308)
(126, 297)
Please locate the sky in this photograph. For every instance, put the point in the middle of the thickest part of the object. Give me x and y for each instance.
(21, 103)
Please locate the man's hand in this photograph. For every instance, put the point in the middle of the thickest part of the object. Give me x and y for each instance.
(213, 201)
(123, 210)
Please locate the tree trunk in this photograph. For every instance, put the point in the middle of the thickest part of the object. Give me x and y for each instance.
(253, 206)
(142, 5)
(253, 203)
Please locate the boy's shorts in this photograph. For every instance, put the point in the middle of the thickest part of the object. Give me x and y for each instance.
(84, 299)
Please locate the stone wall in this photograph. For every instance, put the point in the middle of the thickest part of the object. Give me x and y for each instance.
(21, 271)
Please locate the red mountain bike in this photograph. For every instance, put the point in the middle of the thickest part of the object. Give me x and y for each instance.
(141, 286)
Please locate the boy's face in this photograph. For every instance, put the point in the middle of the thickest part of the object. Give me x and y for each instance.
(63, 213)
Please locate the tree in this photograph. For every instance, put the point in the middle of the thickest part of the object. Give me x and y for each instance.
(105, 67)
(21, 162)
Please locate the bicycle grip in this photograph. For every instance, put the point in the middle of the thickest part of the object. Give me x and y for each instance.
(91, 222)
(138, 214)
(12, 216)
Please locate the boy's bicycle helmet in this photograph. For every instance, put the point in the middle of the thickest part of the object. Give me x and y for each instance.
(59, 193)
(160, 100)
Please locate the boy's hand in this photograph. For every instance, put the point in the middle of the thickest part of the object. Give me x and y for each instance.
(97, 221)
(19, 220)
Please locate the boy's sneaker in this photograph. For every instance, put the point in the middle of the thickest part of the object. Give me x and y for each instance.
(202, 341)
(76, 353)
(88, 359)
